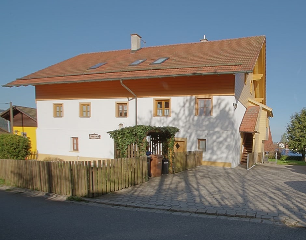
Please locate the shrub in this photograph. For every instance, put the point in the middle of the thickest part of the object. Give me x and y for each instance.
(271, 155)
(296, 158)
(14, 146)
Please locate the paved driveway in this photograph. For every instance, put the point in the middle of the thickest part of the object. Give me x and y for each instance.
(265, 193)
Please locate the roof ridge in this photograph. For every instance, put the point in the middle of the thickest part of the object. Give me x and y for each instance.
(174, 44)
(23, 106)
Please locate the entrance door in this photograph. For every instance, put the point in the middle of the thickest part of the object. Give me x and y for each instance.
(180, 145)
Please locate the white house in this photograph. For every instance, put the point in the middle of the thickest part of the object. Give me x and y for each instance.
(213, 91)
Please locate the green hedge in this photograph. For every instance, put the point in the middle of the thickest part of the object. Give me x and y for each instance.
(297, 158)
(14, 146)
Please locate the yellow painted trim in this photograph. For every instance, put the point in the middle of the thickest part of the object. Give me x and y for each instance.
(265, 107)
(257, 77)
(260, 100)
(217, 164)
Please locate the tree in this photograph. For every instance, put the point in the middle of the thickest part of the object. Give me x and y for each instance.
(283, 138)
(296, 132)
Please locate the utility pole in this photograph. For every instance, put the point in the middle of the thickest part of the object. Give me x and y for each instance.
(11, 117)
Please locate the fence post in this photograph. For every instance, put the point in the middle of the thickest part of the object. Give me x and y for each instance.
(248, 159)
(94, 179)
(49, 179)
(103, 182)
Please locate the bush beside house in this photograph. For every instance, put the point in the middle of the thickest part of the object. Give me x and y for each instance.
(14, 146)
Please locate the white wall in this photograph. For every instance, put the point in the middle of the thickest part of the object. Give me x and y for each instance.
(54, 134)
(221, 130)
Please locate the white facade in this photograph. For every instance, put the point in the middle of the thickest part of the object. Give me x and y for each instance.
(221, 130)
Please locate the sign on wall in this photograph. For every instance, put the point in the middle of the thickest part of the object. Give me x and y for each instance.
(94, 136)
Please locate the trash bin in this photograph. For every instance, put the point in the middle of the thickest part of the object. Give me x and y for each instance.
(149, 159)
(165, 166)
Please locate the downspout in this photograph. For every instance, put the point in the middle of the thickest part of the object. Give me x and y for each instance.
(134, 97)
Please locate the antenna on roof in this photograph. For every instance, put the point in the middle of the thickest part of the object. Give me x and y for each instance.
(144, 42)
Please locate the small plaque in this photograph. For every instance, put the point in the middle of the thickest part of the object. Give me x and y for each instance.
(94, 136)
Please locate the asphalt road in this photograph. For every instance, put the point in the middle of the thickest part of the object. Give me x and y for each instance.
(25, 217)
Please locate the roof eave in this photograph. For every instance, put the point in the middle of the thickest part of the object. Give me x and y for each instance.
(268, 109)
(126, 78)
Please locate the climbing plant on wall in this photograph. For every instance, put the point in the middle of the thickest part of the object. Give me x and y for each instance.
(136, 135)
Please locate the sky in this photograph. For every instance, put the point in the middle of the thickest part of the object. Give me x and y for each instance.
(36, 34)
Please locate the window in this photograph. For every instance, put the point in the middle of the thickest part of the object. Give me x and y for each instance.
(97, 65)
(75, 144)
(203, 106)
(160, 60)
(202, 144)
(162, 107)
(122, 109)
(137, 62)
(58, 110)
(85, 110)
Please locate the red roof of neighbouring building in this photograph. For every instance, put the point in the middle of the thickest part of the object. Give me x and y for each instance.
(202, 58)
(269, 145)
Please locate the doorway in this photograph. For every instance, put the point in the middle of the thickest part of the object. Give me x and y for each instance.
(180, 145)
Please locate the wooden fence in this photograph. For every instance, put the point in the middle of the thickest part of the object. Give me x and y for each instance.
(86, 178)
(187, 160)
(32, 156)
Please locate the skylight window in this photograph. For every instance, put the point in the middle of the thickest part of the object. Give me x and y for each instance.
(137, 62)
(160, 60)
(97, 65)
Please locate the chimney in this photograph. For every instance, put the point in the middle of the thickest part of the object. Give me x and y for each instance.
(204, 39)
(135, 42)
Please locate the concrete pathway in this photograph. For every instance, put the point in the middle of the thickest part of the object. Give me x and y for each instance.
(266, 193)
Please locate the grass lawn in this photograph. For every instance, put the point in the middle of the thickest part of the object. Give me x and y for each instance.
(288, 162)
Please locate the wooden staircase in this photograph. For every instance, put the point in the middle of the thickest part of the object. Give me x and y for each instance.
(248, 146)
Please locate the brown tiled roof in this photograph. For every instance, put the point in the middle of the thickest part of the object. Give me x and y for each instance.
(223, 56)
(249, 120)
(30, 112)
